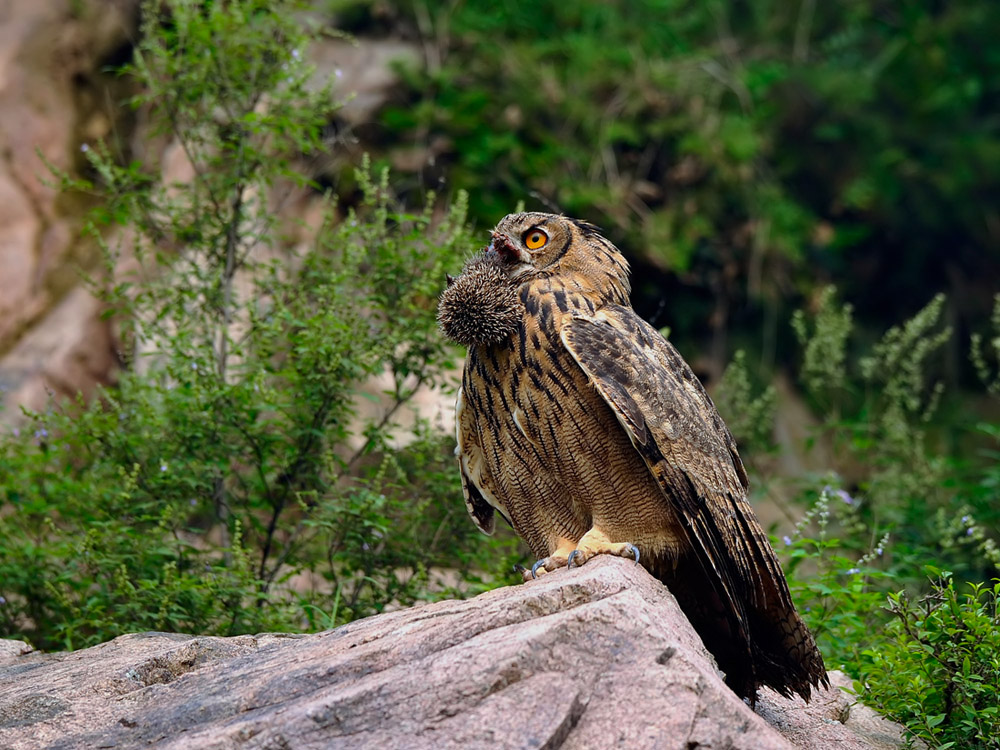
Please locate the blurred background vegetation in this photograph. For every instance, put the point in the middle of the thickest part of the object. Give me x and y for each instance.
(808, 194)
(745, 154)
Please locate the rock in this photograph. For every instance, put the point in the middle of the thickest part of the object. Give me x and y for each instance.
(49, 50)
(594, 657)
(11, 650)
(69, 351)
(362, 71)
(46, 48)
(52, 101)
(820, 722)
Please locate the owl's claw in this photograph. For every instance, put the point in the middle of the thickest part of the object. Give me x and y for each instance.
(557, 559)
(575, 557)
(596, 543)
(629, 550)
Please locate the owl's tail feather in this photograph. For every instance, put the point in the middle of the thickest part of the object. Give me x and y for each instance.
(769, 645)
(785, 654)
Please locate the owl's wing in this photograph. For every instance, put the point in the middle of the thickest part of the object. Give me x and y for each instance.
(674, 425)
(480, 500)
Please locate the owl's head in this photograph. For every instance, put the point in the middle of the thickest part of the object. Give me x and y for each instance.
(536, 244)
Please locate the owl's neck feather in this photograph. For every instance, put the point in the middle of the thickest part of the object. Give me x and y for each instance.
(601, 284)
(562, 294)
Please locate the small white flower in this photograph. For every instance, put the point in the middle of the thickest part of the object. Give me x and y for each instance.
(853, 571)
(84, 147)
(339, 73)
(163, 467)
(787, 540)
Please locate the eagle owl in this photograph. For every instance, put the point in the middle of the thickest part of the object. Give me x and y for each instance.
(588, 433)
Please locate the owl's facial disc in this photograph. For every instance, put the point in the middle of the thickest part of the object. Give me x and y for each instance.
(501, 245)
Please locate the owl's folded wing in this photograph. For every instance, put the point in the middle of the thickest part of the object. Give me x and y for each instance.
(480, 500)
(674, 425)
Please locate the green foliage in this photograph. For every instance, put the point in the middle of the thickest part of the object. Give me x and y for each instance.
(782, 143)
(978, 353)
(932, 667)
(750, 418)
(229, 482)
(824, 348)
(938, 665)
(878, 412)
(901, 402)
(838, 591)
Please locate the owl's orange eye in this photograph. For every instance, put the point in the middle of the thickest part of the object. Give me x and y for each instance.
(535, 238)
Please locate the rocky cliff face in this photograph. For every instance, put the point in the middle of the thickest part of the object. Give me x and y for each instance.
(54, 101)
(51, 51)
(596, 657)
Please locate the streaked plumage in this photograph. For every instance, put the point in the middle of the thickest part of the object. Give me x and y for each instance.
(585, 429)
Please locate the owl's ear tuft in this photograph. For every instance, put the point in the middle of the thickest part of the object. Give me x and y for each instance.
(449, 279)
(588, 229)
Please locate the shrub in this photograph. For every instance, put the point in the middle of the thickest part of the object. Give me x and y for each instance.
(933, 666)
(937, 667)
(227, 483)
(754, 148)
(838, 590)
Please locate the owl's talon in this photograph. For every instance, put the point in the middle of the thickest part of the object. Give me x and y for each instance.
(518, 568)
(536, 566)
(596, 543)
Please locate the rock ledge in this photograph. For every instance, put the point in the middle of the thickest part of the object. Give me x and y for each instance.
(595, 657)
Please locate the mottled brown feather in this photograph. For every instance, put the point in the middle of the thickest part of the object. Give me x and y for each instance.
(675, 427)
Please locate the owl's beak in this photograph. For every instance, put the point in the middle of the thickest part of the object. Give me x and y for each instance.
(501, 245)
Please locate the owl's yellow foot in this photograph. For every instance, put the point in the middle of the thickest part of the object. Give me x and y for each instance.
(557, 559)
(595, 542)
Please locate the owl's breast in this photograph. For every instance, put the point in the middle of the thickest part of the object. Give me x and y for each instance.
(549, 438)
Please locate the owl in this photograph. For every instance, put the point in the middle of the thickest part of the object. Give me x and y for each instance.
(583, 428)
